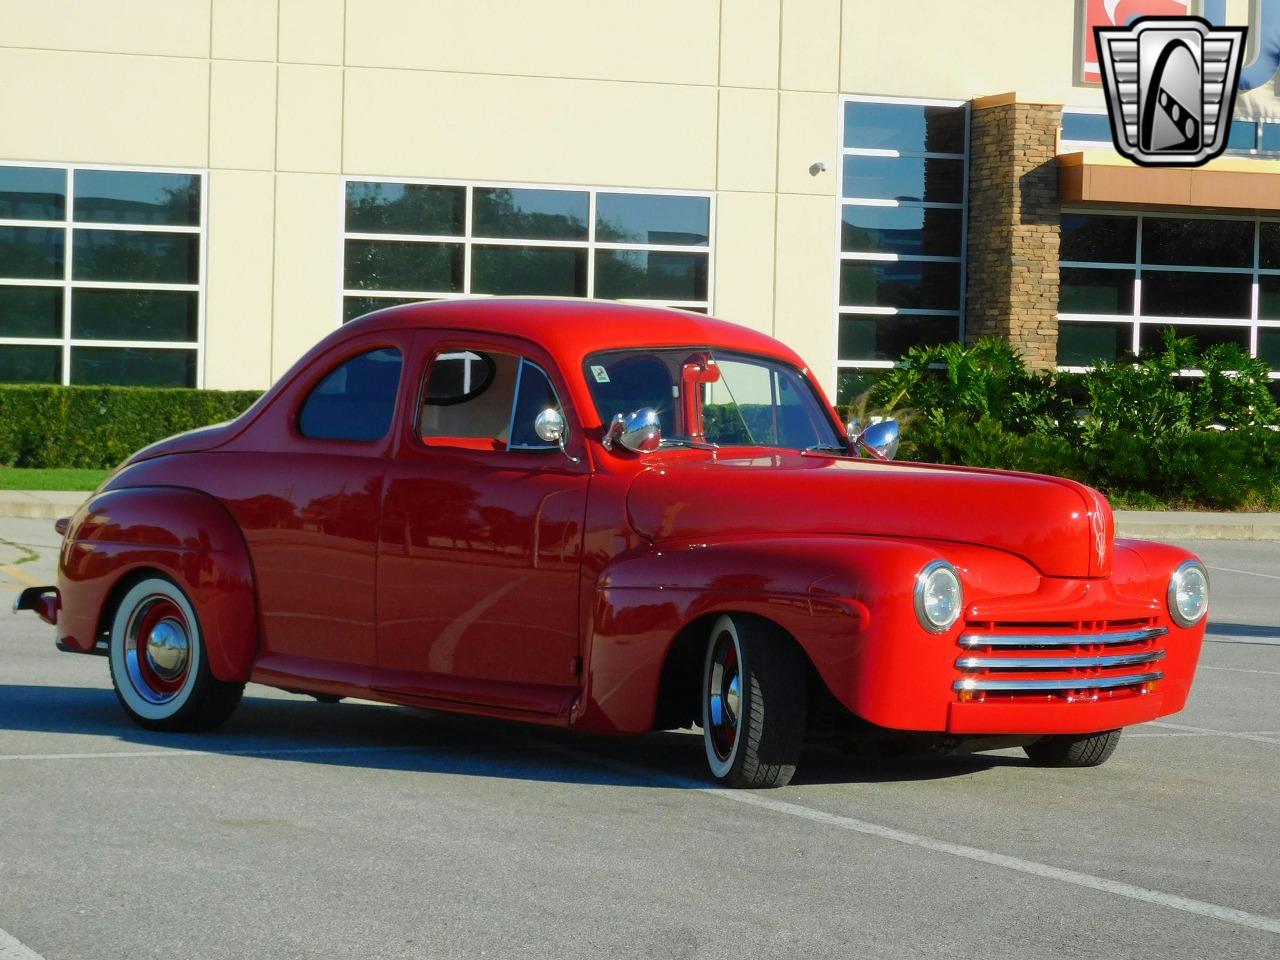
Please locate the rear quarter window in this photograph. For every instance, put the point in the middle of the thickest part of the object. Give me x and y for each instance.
(356, 400)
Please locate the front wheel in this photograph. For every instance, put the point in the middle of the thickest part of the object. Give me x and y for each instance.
(754, 689)
(159, 667)
(1065, 750)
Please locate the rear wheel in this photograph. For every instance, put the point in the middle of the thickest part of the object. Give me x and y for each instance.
(1066, 750)
(754, 688)
(158, 663)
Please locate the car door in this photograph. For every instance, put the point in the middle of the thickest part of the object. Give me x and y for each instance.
(308, 501)
(481, 533)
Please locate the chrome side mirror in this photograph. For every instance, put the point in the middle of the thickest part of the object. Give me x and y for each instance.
(880, 438)
(639, 432)
(550, 427)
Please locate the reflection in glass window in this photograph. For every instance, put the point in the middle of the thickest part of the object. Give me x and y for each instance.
(881, 338)
(651, 275)
(653, 219)
(33, 193)
(523, 241)
(905, 127)
(31, 253)
(1213, 279)
(139, 288)
(404, 265)
(20, 364)
(31, 312)
(133, 366)
(1099, 239)
(535, 271)
(904, 178)
(902, 232)
(414, 208)
(530, 214)
(933, 231)
(127, 196)
(129, 255)
(919, 284)
(355, 401)
(1175, 293)
(1086, 290)
(165, 315)
(1087, 344)
(1197, 241)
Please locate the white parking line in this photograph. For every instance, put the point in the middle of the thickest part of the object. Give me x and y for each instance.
(1247, 573)
(1241, 918)
(1269, 673)
(1254, 641)
(13, 949)
(1232, 734)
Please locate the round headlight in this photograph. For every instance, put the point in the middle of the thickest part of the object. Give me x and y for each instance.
(1189, 593)
(939, 596)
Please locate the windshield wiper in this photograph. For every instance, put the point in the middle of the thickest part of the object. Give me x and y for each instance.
(695, 444)
(823, 447)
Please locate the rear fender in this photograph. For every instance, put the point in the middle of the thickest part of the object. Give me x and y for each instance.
(121, 535)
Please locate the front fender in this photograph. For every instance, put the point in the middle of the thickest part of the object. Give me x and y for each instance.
(182, 533)
(838, 596)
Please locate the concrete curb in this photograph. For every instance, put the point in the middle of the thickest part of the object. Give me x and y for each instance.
(1143, 524)
(40, 504)
(1190, 525)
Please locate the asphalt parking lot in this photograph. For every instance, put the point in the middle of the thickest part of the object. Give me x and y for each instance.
(309, 830)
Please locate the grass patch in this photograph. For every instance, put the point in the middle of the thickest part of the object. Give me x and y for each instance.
(56, 478)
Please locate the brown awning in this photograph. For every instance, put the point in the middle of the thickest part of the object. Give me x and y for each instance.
(1101, 176)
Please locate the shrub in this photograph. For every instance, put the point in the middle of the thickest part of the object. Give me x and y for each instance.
(97, 427)
(1132, 428)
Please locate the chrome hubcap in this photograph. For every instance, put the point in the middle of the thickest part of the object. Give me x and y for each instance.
(724, 696)
(167, 648)
(157, 649)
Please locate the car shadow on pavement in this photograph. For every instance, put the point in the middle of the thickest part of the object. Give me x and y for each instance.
(377, 737)
(1216, 628)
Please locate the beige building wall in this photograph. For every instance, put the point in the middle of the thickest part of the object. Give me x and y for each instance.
(279, 99)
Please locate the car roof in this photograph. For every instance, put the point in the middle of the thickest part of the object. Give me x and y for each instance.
(572, 328)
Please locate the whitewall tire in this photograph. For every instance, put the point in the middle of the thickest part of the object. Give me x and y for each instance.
(159, 665)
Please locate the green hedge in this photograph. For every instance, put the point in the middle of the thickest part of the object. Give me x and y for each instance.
(97, 427)
(1134, 429)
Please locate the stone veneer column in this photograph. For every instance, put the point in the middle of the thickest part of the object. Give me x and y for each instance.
(1014, 226)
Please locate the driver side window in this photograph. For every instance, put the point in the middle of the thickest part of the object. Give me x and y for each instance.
(484, 400)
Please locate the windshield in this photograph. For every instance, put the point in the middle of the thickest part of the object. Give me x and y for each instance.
(710, 396)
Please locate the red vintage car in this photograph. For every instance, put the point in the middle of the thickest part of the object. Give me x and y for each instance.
(617, 519)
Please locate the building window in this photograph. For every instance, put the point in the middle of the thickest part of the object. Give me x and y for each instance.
(101, 274)
(1125, 277)
(407, 241)
(1089, 128)
(904, 175)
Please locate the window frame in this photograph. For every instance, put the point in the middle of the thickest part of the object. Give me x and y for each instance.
(469, 240)
(68, 225)
(334, 363)
(433, 344)
(842, 202)
(1136, 319)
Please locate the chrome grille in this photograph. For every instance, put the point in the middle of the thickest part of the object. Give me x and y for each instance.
(1070, 661)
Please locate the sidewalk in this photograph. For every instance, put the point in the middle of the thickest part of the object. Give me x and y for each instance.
(1146, 524)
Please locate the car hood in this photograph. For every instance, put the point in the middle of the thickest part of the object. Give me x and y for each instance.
(1062, 528)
